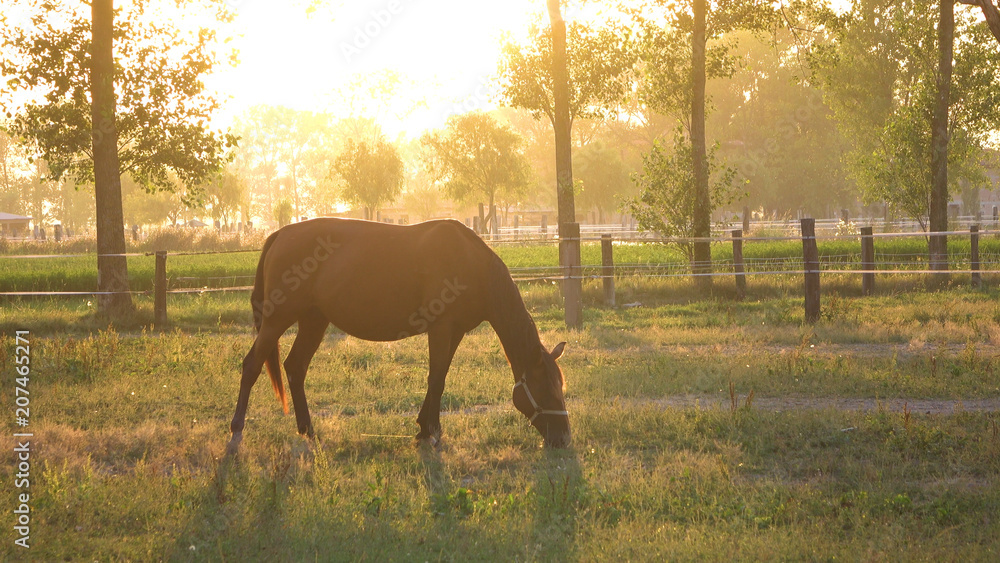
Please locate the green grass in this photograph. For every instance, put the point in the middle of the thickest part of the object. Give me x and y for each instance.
(133, 466)
(130, 427)
(79, 273)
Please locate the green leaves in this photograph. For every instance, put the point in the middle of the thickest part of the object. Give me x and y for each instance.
(600, 64)
(666, 200)
(372, 172)
(878, 75)
(162, 107)
(479, 159)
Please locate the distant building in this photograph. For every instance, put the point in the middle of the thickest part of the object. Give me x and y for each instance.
(14, 226)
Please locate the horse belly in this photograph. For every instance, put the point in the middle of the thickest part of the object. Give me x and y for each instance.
(380, 310)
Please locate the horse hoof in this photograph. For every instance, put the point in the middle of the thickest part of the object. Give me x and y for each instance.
(233, 447)
(429, 440)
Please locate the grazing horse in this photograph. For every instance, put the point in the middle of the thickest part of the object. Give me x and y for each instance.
(387, 282)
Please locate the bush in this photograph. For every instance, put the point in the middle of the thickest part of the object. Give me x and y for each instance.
(174, 239)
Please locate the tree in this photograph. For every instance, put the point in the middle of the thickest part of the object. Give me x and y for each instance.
(478, 160)
(224, 196)
(702, 208)
(161, 107)
(14, 166)
(584, 68)
(36, 192)
(879, 74)
(562, 119)
(599, 62)
(155, 126)
(257, 159)
(667, 197)
(283, 212)
(602, 178)
(73, 204)
(776, 130)
(938, 245)
(111, 265)
(143, 208)
(669, 84)
(990, 12)
(372, 173)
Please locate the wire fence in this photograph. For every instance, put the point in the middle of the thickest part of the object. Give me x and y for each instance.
(904, 263)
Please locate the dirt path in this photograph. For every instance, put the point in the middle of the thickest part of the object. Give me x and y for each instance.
(780, 404)
(926, 406)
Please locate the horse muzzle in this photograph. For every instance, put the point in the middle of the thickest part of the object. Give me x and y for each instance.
(558, 440)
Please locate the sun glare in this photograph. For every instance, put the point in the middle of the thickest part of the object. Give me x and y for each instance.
(304, 56)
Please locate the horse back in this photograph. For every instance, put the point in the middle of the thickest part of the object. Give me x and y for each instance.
(380, 281)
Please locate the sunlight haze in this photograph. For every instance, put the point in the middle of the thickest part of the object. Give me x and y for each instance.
(297, 59)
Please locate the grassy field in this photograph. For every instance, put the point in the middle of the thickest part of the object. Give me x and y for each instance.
(130, 426)
(79, 273)
(133, 466)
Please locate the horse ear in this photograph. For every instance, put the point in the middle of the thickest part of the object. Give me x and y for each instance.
(558, 350)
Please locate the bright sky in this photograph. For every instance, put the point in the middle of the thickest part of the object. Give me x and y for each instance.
(448, 48)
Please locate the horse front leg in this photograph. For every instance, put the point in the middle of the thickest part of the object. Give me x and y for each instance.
(442, 342)
(312, 329)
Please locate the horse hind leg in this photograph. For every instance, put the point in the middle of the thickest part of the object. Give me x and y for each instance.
(312, 328)
(265, 347)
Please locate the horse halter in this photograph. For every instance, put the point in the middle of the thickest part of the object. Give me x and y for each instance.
(534, 404)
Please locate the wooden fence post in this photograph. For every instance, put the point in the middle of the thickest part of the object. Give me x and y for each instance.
(608, 269)
(569, 252)
(544, 226)
(160, 290)
(867, 261)
(977, 279)
(746, 219)
(741, 279)
(810, 257)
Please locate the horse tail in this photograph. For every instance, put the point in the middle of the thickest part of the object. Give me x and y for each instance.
(273, 361)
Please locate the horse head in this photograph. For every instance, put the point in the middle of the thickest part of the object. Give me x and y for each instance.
(538, 394)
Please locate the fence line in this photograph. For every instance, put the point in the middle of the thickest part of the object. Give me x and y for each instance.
(511, 236)
(810, 265)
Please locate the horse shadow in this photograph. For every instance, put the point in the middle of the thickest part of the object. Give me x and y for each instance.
(218, 528)
(560, 494)
(557, 495)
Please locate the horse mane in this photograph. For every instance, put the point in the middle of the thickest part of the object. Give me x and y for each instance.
(512, 322)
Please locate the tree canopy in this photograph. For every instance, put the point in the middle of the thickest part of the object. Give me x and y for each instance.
(372, 173)
(479, 160)
(879, 76)
(162, 107)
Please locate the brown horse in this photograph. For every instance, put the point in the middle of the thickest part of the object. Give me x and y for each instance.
(387, 282)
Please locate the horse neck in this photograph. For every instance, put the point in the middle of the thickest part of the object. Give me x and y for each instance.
(512, 323)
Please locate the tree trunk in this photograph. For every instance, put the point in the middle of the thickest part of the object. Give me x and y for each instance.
(112, 271)
(490, 211)
(938, 245)
(702, 200)
(992, 17)
(561, 123)
(569, 229)
(989, 12)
